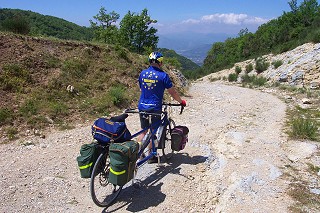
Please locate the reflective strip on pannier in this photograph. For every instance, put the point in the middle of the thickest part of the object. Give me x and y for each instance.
(117, 173)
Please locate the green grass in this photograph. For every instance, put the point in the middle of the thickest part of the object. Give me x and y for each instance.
(303, 123)
(302, 128)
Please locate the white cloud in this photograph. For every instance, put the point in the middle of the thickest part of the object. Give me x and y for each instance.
(233, 19)
(191, 21)
(216, 23)
(230, 18)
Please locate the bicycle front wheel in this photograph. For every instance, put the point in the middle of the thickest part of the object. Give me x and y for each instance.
(102, 192)
(166, 140)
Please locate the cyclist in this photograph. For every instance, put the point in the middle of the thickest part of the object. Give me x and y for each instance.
(153, 82)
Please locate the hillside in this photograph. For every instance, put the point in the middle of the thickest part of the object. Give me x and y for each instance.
(54, 83)
(36, 24)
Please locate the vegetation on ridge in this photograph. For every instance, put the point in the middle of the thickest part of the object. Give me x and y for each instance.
(294, 28)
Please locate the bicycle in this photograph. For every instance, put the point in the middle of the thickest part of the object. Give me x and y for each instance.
(104, 193)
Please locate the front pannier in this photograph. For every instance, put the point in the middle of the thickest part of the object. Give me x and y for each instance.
(179, 137)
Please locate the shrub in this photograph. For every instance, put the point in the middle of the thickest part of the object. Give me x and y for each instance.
(254, 80)
(232, 77)
(122, 53)
(261, 65)
(277, 63)
(30, 107)
(117, 95)
(52, 62)
(12, 133)
(249, 68)
(74, 68)
(259, 81)
(14, 77)
(238, 70)
(302, 128)
(6, 115)
(57, 109)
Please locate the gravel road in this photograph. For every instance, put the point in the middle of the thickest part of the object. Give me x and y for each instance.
(233, 162)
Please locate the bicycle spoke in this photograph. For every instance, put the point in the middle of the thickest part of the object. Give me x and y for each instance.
(166, 140)
(103, 193)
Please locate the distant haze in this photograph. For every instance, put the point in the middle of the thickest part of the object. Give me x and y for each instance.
(193, 46)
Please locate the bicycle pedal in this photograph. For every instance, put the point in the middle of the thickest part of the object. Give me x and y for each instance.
(136, 184)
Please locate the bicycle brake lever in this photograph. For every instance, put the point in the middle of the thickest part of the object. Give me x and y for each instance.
(182, 107)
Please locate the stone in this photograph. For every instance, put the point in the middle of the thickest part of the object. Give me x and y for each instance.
(306, 101)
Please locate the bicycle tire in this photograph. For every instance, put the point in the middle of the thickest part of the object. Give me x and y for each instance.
(165, 141)
(102, 192)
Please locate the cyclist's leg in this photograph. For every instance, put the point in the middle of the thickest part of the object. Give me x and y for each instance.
(155, 122)
(144, 123)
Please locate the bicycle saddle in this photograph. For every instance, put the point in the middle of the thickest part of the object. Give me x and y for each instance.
(119, 118)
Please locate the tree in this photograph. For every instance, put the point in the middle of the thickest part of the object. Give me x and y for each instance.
(293, 5)
(243, 32)
(105, 28)
(17, 24)
(308, 10)
(136, 33)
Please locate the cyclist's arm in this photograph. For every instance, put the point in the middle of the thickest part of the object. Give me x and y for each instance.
(174, 94)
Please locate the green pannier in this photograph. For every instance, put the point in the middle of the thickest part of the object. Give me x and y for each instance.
(89, 154)
(123, 157)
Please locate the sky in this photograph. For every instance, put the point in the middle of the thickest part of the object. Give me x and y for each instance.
(173, 16)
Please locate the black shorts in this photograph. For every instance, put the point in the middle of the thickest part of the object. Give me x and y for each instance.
(155, 120)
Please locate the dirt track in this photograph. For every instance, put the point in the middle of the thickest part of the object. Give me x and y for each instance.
(233, 162)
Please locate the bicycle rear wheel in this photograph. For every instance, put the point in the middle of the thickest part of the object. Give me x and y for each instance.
(102, 192)
(166, 140)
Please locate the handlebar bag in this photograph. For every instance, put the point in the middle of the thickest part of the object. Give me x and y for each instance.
(105, 131)
(123, 157)
(179, 137)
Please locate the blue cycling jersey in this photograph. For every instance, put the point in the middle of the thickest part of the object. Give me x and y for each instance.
(153, 81)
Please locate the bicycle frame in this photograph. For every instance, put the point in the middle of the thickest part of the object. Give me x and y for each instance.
(150, 137)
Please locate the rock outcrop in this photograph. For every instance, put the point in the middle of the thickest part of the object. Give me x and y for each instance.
(300, 67)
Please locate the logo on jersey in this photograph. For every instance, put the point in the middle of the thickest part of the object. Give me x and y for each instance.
(149, 80)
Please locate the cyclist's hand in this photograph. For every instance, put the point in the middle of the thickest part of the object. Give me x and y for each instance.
(183, 103)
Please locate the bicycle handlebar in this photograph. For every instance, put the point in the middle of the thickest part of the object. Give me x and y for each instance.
(166, 104)
(170, 104)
